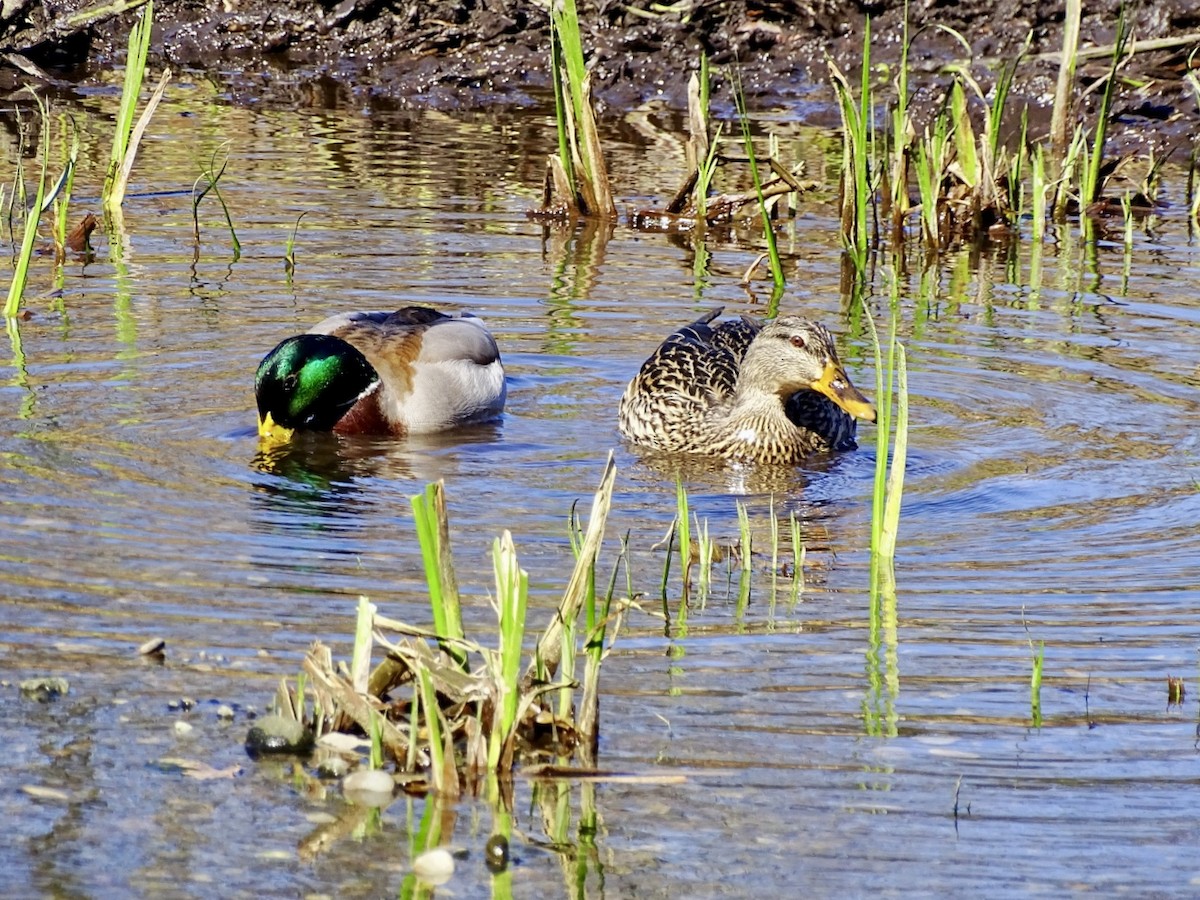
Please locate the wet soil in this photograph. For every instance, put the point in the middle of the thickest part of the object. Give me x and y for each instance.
(488, 52)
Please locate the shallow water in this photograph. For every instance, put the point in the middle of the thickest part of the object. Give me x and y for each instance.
(1051, 497)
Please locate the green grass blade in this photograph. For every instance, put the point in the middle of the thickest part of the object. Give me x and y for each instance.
(739, 96)
(745, 541)
(512, 588)
(1090, 189)
(16, 288)
(433, 726)
(289, 251)
(433, 536)
(1035, 684)
(683, 524)
(798, 552)
(135, 69)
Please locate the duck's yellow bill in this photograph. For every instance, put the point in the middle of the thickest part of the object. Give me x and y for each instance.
(268, 430)
(836, 385)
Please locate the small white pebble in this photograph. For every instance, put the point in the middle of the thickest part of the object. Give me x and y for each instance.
(182, 729)
(368, 787)
(434, 866)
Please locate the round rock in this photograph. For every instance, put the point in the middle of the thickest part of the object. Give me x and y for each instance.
(277, 735)
(368, 787)
(496, 853)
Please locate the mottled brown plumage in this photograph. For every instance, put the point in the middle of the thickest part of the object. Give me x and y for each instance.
(741, 390)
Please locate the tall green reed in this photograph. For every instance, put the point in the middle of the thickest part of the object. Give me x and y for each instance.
(580, 155)
(433, 536)
(857, 151)
(128, 135)
(1090, 188)
(891, 384)
(776, 264)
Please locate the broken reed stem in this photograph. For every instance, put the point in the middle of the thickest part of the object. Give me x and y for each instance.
(1066, 80)
(587, 721)
(512, 589)
(549, 648)
(580, 153)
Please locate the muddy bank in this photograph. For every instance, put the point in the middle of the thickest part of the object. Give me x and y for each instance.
(487, 52)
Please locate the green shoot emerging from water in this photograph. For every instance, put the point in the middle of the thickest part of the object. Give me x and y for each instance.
(1035, 683)
(211, 176)
(127, 135)
(739, 96)
(579, 170)
(16, 288)
(433, 535)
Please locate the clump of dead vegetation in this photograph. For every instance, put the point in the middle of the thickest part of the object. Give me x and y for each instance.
(447, 711)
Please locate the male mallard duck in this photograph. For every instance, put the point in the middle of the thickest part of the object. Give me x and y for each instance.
(742, 390)
(409, 372)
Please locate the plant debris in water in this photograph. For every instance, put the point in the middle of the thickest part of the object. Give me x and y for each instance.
(451, 706)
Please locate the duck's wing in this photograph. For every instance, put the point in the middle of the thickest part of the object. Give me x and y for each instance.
(437, 371)
(692, 371)
(701, 360)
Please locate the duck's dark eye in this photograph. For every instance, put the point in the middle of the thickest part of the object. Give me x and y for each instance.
(290, 382)
(797, 341)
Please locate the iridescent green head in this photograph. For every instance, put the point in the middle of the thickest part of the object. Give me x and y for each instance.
(309, 382)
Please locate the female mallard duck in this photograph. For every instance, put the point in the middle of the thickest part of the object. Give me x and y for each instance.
(409, 372)
(742, 390)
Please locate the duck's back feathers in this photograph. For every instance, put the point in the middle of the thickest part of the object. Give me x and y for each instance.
(436, 371)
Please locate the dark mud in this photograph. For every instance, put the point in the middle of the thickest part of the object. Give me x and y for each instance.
(488, 52)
